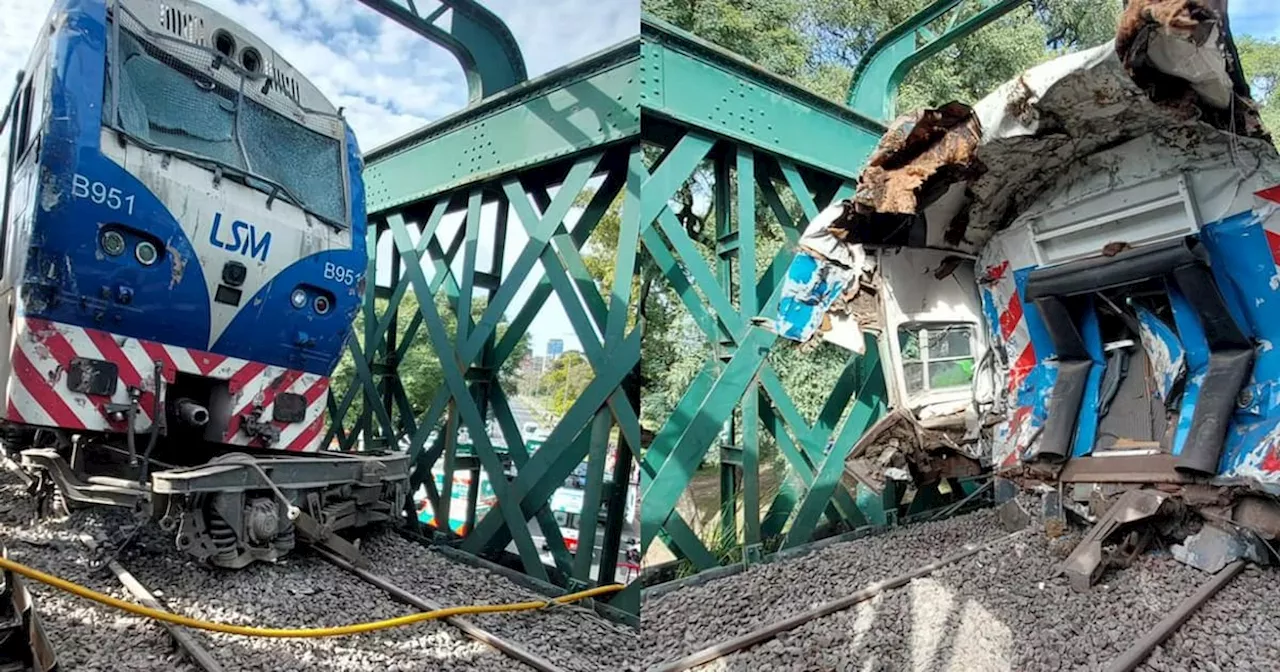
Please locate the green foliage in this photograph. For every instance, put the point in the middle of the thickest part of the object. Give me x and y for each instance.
(842, 31)
(762, 31)
(419, 372)
(565, 381)
(1261, 62)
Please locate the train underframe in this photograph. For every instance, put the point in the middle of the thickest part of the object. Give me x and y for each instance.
(228, 506)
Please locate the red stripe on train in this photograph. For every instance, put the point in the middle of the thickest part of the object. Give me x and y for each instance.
(43, 391)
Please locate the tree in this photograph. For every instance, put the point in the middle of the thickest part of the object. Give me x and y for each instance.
(565, 381)
(419, 371)
(1261, 62)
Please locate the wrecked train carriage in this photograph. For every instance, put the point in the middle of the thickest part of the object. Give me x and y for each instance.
(1098, 237)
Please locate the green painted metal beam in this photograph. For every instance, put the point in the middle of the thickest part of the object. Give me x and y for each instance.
(874, 89)
(485, 48)
(583, 107)
(700, 85)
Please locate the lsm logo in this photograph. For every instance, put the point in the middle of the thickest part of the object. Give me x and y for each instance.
(250, 245)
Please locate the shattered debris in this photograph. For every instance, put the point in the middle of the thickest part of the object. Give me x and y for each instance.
(1170, 45)
(952, 176)
(1213, 548)
(827, 292)
(919, 150)
(899, 448)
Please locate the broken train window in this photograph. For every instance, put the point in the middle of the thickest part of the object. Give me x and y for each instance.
(936, 357)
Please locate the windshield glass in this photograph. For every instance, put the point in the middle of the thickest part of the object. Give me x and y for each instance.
(164, 103)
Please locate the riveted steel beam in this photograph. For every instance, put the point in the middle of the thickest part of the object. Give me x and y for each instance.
(700, 85)
(485, 48)
(583, 107)
(874, 88)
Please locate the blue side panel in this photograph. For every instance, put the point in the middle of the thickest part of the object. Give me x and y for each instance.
(808, 290)
(1191, 332)
(1240, 258)
(1035, 324)
(992, 316)
(65, 277)
(1035, 390)
(1241, 254)
(1087, 420)
(1239, 250)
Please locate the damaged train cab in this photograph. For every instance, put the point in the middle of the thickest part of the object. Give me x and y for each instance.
(1078, 277)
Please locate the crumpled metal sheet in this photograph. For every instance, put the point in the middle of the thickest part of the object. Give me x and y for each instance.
(1213, 548)
(822, 285)
(897, 446)
(1164, 351)
(1168, 44)
(1172, 72)
(919, 147)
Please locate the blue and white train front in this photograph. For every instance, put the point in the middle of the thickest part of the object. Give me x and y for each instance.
(185, 256)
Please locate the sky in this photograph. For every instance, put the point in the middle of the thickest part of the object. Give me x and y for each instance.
(1260, 18)
(390, 81)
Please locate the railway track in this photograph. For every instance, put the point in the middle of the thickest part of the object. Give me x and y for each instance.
(996, 606)
(306, 591)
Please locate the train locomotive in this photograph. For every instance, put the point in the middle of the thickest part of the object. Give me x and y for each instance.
(183, 254)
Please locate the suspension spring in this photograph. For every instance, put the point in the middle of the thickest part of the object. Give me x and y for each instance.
(223, 537)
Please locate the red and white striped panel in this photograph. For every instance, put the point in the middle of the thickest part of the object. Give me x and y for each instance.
(1267, 209)
(43, 350)
(256, 386)
(1015, 338)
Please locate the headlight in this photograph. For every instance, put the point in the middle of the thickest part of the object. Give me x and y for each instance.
(112, 243)
(299, 298)
(146, 253)
(322, 305)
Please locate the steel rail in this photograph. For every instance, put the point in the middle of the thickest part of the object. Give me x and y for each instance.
(181, 636)
(764, 634)
(466, 626)
(1136, 654)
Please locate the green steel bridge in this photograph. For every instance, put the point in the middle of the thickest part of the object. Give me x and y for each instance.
(692, 104)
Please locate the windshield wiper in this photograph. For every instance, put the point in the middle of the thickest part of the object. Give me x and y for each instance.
(243, 177)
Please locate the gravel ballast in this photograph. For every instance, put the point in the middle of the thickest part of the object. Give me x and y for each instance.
(996, 611)
(87, 637)
(571, 637)
(1000, 610)
(302, 591)
(686, 620)
(1237, 630)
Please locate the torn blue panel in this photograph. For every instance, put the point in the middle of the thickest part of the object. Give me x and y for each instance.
(1251, 455)
(1241, 254)
(1164, 351)
(1087, 420)
(1191, 332)
(1037, 387)
(1241, 261)
(808, 290)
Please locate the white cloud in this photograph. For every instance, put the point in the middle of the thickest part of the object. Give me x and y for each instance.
(389, 80)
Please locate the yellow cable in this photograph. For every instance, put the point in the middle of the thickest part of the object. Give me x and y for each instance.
(177, 619)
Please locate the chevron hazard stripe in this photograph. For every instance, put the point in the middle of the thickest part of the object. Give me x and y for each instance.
(42, 355)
